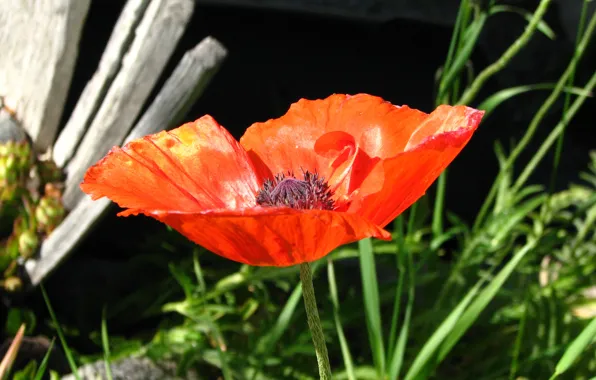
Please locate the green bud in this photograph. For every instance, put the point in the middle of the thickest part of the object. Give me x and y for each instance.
(49, 213)
(28, 244)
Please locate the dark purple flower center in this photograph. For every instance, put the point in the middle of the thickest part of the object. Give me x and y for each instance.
(311, 192)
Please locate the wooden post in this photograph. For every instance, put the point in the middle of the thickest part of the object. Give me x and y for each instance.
(39, 41)
(180, 91)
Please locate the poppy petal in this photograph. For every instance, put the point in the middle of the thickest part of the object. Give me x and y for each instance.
(408, 175)
(271, 236)
(196, 167)
(342, 137)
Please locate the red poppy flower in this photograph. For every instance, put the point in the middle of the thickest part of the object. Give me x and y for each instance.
(327, 173)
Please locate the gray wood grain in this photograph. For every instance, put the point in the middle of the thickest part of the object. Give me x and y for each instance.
(180, 91)
(95, 90)
(39, 41)
(156, 36)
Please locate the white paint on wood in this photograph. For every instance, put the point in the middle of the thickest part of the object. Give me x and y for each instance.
(162, 25)
(179, 92)
(92, 96)
(39, 43)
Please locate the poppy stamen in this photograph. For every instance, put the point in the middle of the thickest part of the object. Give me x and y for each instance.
(285, 190)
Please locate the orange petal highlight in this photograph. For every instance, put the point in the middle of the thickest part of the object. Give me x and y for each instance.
(409, 174)
(343, 138)
(196, 167)
(298, 139)
(272, 236)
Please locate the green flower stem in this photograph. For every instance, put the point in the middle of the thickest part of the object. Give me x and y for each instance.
(314, 322)
(498, 65)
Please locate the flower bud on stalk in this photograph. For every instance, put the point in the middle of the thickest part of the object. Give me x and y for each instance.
(16, 160)
(49, 211)
(28, 242)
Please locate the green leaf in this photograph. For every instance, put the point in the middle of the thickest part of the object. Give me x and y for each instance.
(269, 340)
(399, 351)
(67, 351)
(426, 356)
(463, 54)
(362, 373)
(372, 308)
(105, 342)
(576, 348)
(471, 314)
(44, 363)
(493, 101)
(343, 342)
(542, 26)
(506, 221)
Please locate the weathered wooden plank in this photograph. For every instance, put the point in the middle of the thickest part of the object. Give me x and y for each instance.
(73, 229)
(181, 90)
(183, 87)
(94, 92)
(39, 41)
(162, 25)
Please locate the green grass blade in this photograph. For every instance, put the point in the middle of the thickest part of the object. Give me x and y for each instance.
(580, 30)
(575, 349)
(496, 99)
(69, 356)
(343, 342)
(553, 135)
(220, 344)
(196, 264)
(105, 342)
(463, 55)
(282, 323)
(507, 56)
(268, 341)
(537, 119)
(401, 270)
(372, 307)
(399, 351)
(519, 340)
(542, 26)
(457, 30)
(488, 293)
(439, 209)
(44, 362)
(427, 354)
